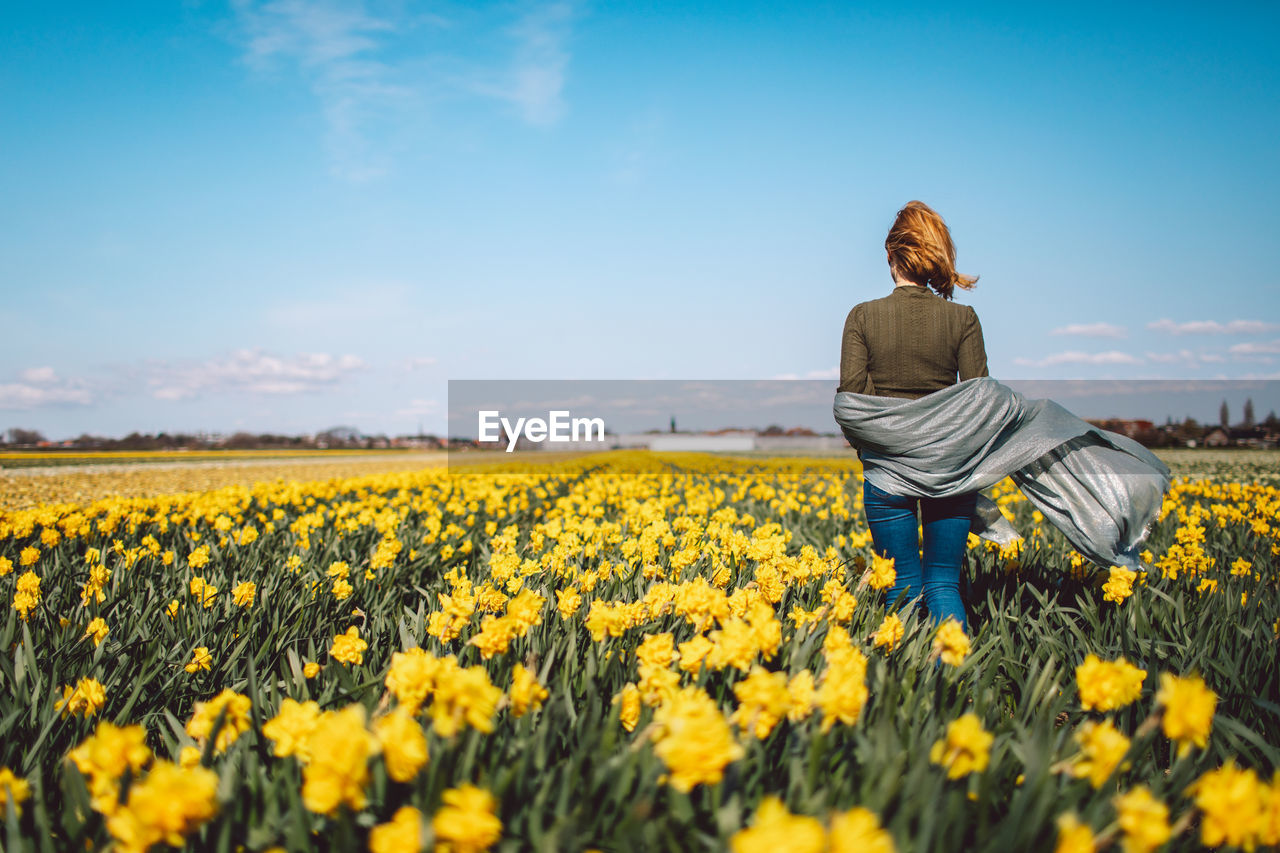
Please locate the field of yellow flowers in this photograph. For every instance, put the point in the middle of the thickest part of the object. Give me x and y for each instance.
(626, 652)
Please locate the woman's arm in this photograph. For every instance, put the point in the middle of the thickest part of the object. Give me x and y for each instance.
(972, 354)
(853, 356)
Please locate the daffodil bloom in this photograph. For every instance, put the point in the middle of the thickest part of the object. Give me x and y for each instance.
(348, 648)
(467, 821)
(1102, 747)
(86, 698)
(27, 594)
(244, 594)
(463, 697)
(97, 629)
(858, 831)
(402, 834)
(105, 756)
(291, 728)
(232, 707)
(526, 693)
(774, 828)
(951, 643)
(1107, 685)
(1232, 805)
(882, 573)
(1119, 585)
(14, 790)
(763, 700)
(201, 659)
(411, 677)
(338, 770)
(1143, 819)
(1188, 710)
(694, 739)
(890, 633)
(404, 745)
(843, 691)
(166, 806)
(629, 701)
(965, 749)
(1074, 836)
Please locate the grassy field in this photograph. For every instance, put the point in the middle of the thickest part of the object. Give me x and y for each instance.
(626, 651)
(1244, 465)
(74, 458)
(167, 474)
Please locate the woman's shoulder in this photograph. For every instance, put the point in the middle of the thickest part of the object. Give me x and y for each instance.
(870, 305)
(858, 314)
(959, 309)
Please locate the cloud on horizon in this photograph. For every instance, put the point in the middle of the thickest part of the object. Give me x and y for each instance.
(1212, 327)
(1263, 351)
(1092, 330)
(252, 370)
(1078, 357)
(824, 373)
(41, 386)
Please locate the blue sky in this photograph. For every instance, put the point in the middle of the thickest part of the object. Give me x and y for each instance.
(293, 214)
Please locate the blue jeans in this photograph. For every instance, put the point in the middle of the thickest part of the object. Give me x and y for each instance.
(894, 533)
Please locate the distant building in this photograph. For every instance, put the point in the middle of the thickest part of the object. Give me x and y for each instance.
(715, 441)
(417, 442)
(1254, 436)
(1217, 438)
(704, 442)
(1128, 427)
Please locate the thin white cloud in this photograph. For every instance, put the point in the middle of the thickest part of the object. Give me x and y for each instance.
(38, 387)
(334, 47)
(419, 408)
(369, 72)
(824, 373)
(1213, 327)
(1077, 357)
(1256, 348)
(1186, 357)
(419, 362)
(1091, 330)
(254, 371)
(26, 395)
(534, 84)
(39, 375)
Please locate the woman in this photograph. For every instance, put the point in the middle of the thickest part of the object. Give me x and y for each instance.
(908, 344)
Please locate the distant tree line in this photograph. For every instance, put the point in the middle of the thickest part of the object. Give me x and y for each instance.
(1186, 433)
(1189, 432)
(336, 438)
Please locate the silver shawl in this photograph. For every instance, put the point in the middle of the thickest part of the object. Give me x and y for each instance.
(1101, 489)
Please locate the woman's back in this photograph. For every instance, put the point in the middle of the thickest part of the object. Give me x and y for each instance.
(910, 343)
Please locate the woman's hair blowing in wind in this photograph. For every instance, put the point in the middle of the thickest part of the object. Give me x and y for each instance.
(921, 251)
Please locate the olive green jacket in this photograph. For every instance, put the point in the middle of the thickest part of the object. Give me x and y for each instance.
(909, 344)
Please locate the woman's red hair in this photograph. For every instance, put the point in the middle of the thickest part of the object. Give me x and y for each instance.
(921, 251)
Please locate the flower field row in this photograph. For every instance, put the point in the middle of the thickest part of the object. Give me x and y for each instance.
(621, 652)
(167, 473)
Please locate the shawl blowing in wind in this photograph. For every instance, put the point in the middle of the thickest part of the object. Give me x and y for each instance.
(1101, 489)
